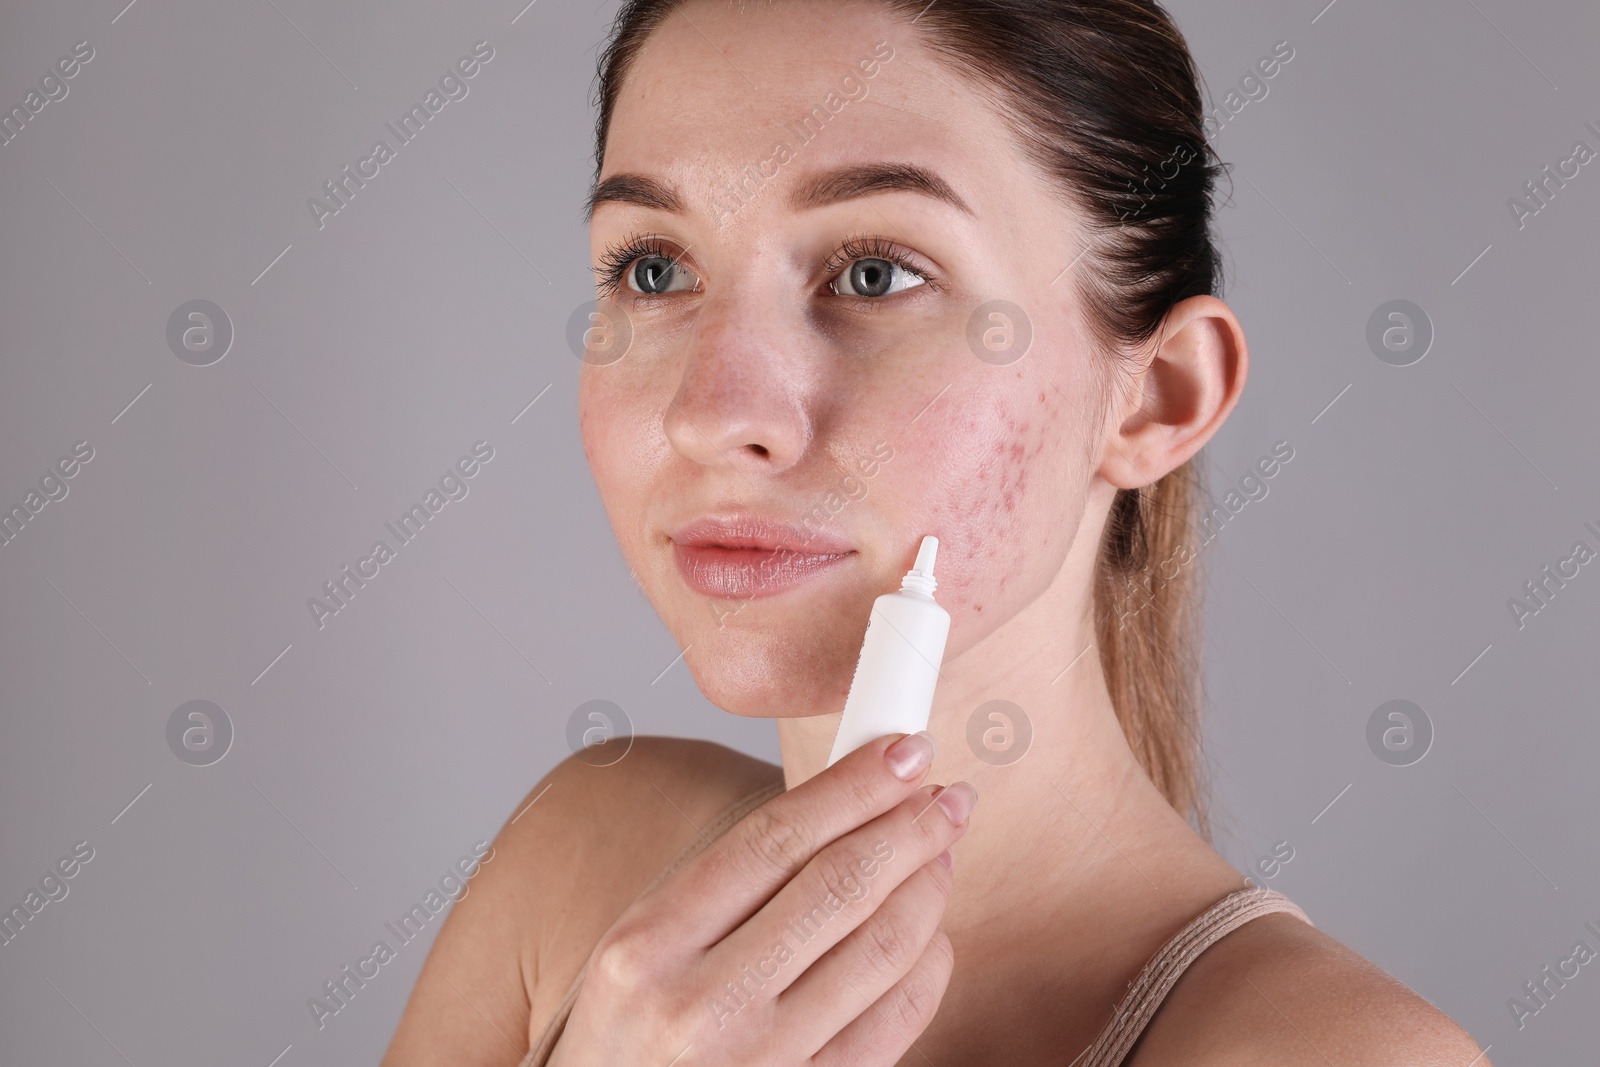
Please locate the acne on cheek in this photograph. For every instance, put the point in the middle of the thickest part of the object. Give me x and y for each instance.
(983, 510)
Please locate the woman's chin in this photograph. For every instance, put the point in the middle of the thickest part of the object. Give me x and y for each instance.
(771, 679)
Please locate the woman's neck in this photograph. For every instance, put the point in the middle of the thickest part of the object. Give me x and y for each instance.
(1050, 821)
(1075, 868)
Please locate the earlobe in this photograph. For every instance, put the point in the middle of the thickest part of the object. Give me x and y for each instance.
(1188, 387)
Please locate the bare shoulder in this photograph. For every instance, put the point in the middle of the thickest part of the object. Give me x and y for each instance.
(572, 855)
(617, 823)
(590, 837)
(1279, 991)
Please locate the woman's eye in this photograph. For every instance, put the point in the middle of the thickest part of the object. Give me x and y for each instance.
(653, 275)
(875, 277)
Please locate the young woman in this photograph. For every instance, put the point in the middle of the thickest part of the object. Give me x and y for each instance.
(868, 271)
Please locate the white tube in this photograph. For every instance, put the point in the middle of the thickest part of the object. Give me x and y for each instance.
(892, 690)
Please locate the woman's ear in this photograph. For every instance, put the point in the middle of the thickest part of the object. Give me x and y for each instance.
(1188, 386)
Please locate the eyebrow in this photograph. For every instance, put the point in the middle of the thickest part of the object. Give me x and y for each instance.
(819, 190)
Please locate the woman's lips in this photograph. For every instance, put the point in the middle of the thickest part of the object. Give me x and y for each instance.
(742, 555)
(746, 573)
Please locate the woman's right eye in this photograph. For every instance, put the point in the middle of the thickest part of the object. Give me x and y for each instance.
(653, 275)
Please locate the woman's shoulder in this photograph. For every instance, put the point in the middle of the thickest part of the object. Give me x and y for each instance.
(618, 821)
(594, 832)
(620, 814)
(570, 857)
(1279, 991)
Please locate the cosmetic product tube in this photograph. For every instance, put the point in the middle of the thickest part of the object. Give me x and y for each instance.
(892, 690)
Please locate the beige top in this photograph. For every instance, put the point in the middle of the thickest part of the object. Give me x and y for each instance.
(1132, 1014)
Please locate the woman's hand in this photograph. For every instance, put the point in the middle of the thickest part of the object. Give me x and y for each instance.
(808, 933)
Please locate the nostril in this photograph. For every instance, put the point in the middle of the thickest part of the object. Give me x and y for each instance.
(760, 450)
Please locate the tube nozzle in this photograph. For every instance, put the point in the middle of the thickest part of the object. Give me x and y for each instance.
(920, 576)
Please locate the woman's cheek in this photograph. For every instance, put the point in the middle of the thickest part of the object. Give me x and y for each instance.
(618, 448)
(594, 416)
(982, 505)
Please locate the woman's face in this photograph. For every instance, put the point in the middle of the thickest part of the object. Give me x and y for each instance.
(805, 346)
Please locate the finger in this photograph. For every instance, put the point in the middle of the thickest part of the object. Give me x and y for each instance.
(727, 882)
(880, 1035)
(873, 958)
(841, 887)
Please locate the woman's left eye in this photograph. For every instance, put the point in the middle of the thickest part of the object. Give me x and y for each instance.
(873, 276)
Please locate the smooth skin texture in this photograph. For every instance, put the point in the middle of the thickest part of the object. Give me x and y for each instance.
(756, 383)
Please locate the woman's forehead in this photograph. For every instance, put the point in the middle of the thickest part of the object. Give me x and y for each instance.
(731, 86)
(712, 164)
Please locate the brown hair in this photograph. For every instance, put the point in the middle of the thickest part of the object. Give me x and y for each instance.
(1104, 97)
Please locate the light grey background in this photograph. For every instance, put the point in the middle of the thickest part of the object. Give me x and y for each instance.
(431, 311)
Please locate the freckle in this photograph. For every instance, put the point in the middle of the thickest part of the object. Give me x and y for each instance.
(977, 607)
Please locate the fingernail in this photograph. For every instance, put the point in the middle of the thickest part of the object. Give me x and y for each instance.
(957, 801)
(947, 859)
(910, 756)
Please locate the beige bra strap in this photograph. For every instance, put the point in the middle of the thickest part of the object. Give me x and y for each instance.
(541, 1050)
(1147, 991)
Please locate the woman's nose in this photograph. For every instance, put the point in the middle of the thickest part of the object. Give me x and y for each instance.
(741, 400)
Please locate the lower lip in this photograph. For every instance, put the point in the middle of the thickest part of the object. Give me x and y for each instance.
(746, 573)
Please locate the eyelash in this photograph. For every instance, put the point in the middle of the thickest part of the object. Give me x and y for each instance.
(617, 259)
